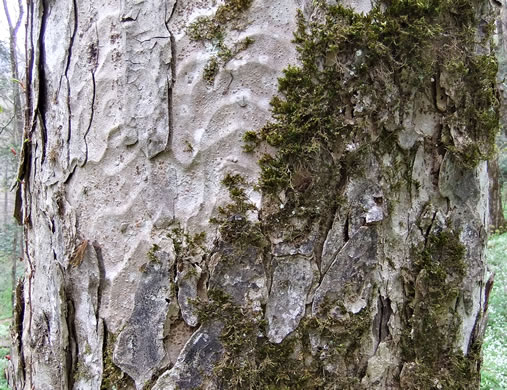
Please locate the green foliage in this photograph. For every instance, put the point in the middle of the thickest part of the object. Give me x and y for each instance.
(3, 366)
(213, 27)
(494, 370)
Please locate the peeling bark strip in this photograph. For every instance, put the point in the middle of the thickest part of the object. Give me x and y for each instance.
(320, 253)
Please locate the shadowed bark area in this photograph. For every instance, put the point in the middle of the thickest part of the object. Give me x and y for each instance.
(185, 233)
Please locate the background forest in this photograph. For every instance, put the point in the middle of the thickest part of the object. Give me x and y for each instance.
(11, 267)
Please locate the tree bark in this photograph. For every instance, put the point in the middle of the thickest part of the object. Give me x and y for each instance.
(162, 255)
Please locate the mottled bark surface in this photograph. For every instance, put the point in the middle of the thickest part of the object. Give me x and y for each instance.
(336, 276)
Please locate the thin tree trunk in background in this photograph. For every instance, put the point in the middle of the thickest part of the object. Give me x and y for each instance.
(14, 266)
(162, 254)
(6, 216)
(21, 255)
(13, 52)
(496, 217)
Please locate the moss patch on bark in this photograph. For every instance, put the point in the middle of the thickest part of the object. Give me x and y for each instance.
(429, 344)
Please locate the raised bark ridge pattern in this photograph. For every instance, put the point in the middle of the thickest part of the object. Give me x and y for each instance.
(357, 238)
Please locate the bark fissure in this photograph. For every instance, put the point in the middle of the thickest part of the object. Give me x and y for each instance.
(25, 159)
(19, 315)
(430, 227)
(41, 108)
(92, 113)
(66, 75)
(102, 282)
(172, 79)
(72, 352)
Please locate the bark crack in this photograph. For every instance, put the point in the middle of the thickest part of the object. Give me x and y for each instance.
(102, 280)
(382, 317)
(73, 350)
(67, 66)
(92, 108)
(428, 230)
(42, 92)
(172, 80)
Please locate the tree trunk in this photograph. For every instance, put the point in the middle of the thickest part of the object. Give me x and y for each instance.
(5, 186)
(14, 26)
(496, 218)
(162, 255)
(14, 266)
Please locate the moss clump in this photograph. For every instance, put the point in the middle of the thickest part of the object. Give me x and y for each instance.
(233, 220)
(152, 253)
(112, 376)
(474, 112)
(358, 70)
(250, 361)
(185, 244)
(211, 70)
(213, 29)
(440, 270)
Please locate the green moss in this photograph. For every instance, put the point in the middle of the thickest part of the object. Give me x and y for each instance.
(233, 219)
(112, 376)
(361, 70)
(231, 9)
(213, 29)
(211, 70)
(358, 80)
(152, 253)
(440, 270)
(250, 141)
(204, 28)
(250, 361)
(185, 244)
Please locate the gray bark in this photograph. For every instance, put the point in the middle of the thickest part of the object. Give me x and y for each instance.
(128, 147)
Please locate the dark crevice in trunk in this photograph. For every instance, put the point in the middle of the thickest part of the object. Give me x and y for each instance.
(479, 328)
(172, 80)
(170, 119)
(327, 224)
(381, 320)
(319, 247)
(26, 149)
(346, 236)
(102, 281)
(42, 93)
(428, 230)
(73, 349)
(487, 291)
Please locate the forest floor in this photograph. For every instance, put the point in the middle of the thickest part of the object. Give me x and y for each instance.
(494, 369)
